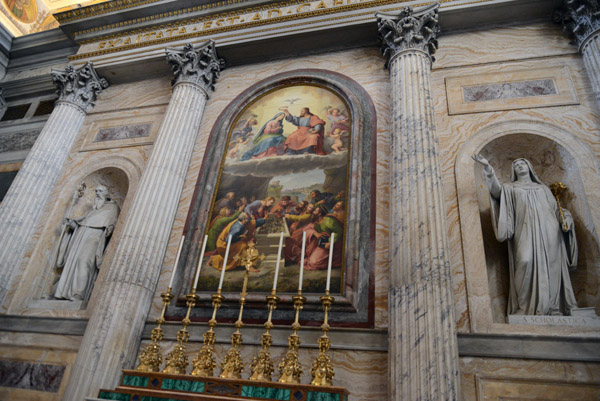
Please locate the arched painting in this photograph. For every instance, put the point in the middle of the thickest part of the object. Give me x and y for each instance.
(285, 169)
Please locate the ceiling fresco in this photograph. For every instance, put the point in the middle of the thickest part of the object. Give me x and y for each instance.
(22, 17)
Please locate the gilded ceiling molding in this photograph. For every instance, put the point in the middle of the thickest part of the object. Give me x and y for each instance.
(409, 29)
(79, 87)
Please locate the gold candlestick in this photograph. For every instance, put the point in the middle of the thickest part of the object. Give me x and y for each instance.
(177, 360)
(322, 369)
(557, 189)
(232, 365)
(204, 362)
(262, 365)
(151, 358)
(290, 369)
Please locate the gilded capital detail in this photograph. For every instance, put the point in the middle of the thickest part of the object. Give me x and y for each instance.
(80, 87)
(579, 18)
(199, 65)
(409, 29)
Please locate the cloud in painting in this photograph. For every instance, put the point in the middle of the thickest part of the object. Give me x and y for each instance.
(282, 165)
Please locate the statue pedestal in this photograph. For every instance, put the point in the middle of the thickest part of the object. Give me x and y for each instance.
(580, 317)
(137, 385)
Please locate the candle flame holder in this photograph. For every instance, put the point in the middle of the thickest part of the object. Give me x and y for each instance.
(151, 358)
(290, 368)
(322, 368)
(177, 360)
(204, 363)
(262, 365)
(232, 365)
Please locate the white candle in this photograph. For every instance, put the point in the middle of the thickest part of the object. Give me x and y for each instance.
(224, 263)
(278, 261)
(302, 261)
(200, 262)
(330, 260)
(176, 261)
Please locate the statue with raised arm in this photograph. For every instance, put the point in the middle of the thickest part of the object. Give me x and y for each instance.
(82, 249)
(541, 248)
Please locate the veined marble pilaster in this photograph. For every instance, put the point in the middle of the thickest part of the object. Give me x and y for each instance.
(113, 334)
(423, 356)
(581, 19)
(23, 204)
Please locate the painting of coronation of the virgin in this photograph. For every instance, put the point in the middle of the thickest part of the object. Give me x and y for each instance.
(285, 170)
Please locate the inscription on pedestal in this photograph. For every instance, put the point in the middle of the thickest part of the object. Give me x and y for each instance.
(555, 320)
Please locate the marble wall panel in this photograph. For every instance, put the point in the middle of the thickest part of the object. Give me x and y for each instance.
(11, 142)
(528, 380)
(499, 44)
(367, 69)
(493, 53)
(507, 91)
(34, 371)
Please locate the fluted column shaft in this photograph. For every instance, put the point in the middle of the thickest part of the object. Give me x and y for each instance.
(423, 355)
(113, 334)
(591, 59)
(422, 329)
(24, 202)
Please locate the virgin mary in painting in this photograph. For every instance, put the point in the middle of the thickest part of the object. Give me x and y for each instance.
(267, 142)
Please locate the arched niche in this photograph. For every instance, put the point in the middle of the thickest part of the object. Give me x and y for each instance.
(556, 155)
(117, 183)
(355, 300)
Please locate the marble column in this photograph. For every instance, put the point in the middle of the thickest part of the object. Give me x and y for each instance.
(423, 356)
(581, 19)
(112, 337)
(2, 103)
(25, 201)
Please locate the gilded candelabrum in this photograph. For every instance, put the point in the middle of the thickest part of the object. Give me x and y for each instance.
(262, 365)
(290, 369)
(232, 365)
(177, 360)
(204, 363)
(557, 189)
(322, 369)
(151, 358)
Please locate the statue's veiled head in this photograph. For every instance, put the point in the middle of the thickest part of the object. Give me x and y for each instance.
(523, 166)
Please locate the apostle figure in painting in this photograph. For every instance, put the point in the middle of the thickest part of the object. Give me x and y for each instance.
(268, 141)
(282, 207)
(259, 209)
(218, 225)
(81, 252)
(541, 250)
(242, 232)
(318, 236)
(308, 138)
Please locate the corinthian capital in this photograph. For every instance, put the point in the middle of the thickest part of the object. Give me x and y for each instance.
(199, 65)
(579, 18)
(79, 86)
(409, 29)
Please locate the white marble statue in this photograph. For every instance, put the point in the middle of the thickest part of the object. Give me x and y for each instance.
(82, 249)
(541, 249)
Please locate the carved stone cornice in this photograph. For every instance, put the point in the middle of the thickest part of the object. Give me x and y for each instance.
(80, 87)
(579, 18)
(198, 65)
(409, 29)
